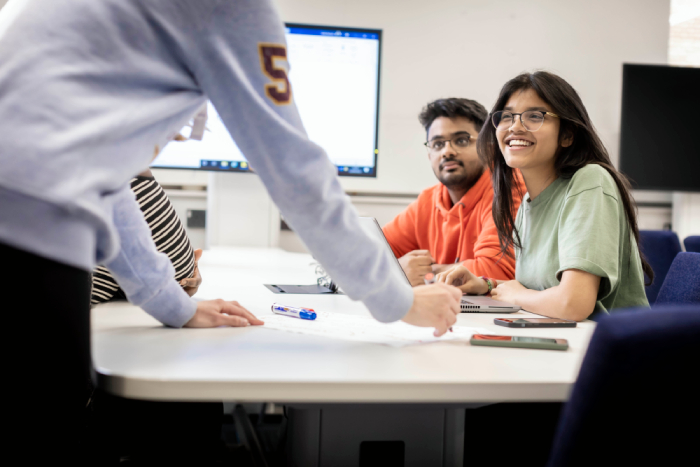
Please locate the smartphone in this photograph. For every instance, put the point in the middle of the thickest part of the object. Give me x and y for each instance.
(520, 341)
(535, 323)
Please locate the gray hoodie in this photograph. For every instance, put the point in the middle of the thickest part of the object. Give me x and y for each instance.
(89, 87)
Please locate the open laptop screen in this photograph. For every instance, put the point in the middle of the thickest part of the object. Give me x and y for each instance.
(371, 226)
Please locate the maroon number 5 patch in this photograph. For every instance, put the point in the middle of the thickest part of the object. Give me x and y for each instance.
(280, 92)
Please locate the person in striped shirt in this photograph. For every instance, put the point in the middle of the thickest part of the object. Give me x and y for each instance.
(168, 234)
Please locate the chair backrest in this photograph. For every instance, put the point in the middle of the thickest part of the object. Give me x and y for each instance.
(682, 283)
(692, 243)
(635, 401)
(659, 247)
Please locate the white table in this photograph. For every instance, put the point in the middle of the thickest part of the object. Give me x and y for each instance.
(136, 357)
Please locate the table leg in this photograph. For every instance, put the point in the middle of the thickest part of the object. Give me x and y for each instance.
(303, 436)
(406, 435)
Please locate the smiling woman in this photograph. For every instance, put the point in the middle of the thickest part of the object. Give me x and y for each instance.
(575, 234)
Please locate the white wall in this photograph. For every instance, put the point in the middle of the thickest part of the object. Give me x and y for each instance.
(470, 48)
(686, 214)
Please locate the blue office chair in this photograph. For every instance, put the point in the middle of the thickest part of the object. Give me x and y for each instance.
(692, 243)
(682, 283)
(659, 247)
(636, 398)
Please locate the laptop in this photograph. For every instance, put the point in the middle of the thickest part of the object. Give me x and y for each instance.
(470, 303)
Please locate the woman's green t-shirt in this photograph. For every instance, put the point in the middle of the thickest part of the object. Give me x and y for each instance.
(580, 223)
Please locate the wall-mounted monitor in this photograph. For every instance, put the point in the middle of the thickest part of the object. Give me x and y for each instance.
(323, 59)
(659, 147)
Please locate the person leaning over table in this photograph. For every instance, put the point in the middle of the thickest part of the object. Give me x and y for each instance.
(575, 234)
(86, 89)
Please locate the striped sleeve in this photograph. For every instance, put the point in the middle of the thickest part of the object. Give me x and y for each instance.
(168, 234)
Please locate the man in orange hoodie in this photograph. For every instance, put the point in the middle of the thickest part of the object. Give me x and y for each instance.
(451, 222)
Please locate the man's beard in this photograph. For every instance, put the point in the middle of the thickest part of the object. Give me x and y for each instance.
(466, 179)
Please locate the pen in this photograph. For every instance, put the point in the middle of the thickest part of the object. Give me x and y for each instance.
(293, 311)
(430, 279)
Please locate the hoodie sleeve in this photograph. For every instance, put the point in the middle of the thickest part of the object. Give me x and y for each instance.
(401, 231)
(488, 260)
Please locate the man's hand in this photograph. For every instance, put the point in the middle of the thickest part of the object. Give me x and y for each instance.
(435, 305)
(214, 313)
(416, 265)
(191, 284)
(461, 277)
(508, 292)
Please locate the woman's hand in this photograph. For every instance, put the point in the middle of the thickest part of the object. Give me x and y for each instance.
(508, 292)
(214, 313)
(461, 277)
(191, 284)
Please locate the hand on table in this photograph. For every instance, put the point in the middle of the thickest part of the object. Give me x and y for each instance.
(191, 284)
(507, 291)
(462, 278)
(213, 313)
(416, 264)
(435, 305)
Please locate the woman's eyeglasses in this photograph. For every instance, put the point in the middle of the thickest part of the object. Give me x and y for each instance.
(532, 120)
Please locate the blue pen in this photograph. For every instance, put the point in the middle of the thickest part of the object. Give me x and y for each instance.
(293, 311)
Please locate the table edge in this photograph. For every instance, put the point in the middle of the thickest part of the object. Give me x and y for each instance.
(342, 392)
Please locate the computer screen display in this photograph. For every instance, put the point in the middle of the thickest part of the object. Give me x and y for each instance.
(323, 59)
(658, 142)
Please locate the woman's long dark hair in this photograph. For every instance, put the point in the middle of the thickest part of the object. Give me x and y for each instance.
(587, 148)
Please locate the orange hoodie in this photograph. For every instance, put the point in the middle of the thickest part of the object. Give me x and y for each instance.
(462, 233)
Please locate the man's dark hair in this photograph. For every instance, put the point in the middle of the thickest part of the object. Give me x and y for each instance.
(453, 107)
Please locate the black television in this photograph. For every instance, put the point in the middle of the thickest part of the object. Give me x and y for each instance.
(660, 129)
(323, 59)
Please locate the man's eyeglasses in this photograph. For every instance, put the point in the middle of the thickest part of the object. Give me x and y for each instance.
(458, 143)
(532, 120)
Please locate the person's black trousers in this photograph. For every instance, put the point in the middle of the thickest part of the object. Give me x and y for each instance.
(154, 433)
(47, 352)
(52, 413)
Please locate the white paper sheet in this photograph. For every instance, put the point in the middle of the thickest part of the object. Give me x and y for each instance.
(366, 329)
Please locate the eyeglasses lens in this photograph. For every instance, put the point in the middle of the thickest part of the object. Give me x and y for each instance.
(532, 120)
(502, 120)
